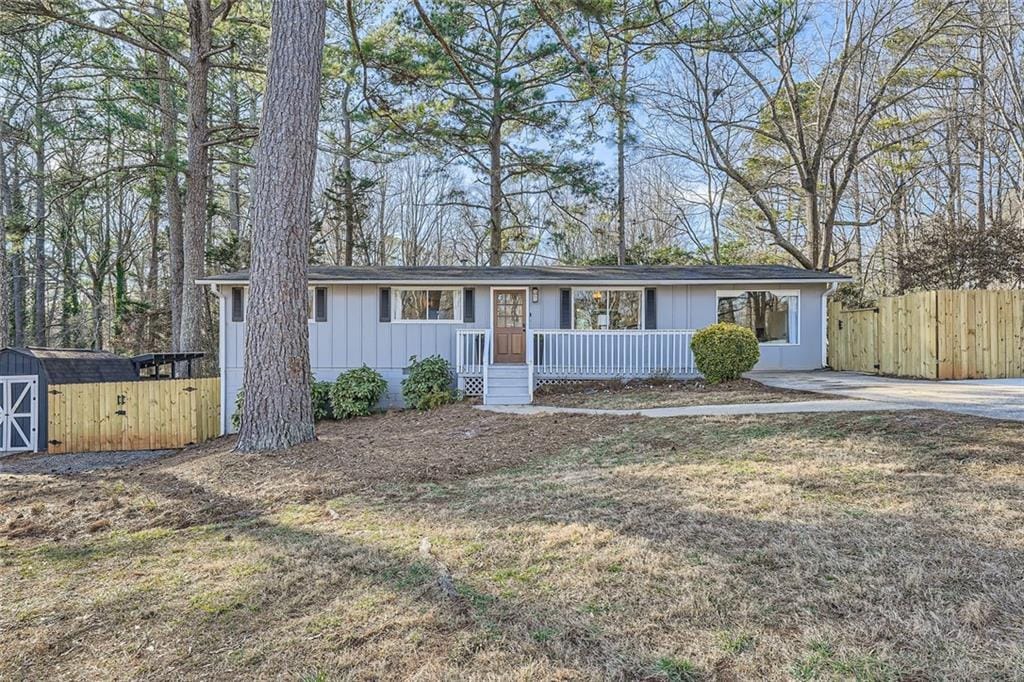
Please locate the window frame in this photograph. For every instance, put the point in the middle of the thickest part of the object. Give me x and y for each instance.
(311, 292)
(243, 312)
(641, 312)
(778, 293)
(457, 304)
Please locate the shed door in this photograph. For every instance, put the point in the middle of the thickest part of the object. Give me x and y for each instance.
(19, 420)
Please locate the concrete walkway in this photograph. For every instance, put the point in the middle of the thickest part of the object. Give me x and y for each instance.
(711, 410)
(994, 398)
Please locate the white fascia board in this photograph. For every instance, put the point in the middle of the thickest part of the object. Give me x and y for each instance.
(544, 282)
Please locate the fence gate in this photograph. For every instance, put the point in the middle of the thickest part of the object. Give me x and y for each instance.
(853, 339)
(132, 415)
(932, 335)
(19, 413)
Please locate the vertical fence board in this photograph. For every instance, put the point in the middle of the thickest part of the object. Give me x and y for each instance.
(156, 415)
(932, 335)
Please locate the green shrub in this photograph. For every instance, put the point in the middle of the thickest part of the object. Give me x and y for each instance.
(320, 392)
(724, 351)
(236, 417)
(357, 392)
(429, 383)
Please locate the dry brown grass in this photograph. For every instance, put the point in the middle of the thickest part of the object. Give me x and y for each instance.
(844, 546)
(648, 393)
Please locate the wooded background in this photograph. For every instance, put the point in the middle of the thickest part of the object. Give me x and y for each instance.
(881, 138)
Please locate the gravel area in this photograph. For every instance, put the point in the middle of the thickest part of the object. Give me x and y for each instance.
(30, 463)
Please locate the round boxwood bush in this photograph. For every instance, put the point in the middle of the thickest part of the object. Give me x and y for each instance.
(428, 383)
(356, 392)
(724, 351)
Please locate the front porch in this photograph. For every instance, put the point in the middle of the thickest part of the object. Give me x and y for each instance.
(556, 355)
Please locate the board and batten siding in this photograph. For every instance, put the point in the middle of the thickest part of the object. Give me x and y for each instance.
(696, 306)
(353, 334)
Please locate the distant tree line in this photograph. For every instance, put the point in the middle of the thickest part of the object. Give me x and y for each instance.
(883, 138)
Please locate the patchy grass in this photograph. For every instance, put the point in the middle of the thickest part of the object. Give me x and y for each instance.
(648, 393)
(875, 546)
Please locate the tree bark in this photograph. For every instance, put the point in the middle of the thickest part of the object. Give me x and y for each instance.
(348, 209)
(5, 211)
(39, 242)
(193, 240)
(494, 149)
(172, 192)
(277, 412)
(234, 160)
(620, 149)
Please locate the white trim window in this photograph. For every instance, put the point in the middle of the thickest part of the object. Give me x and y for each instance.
(597, 309)
(434, 304)
(316, 304)
(772, 314)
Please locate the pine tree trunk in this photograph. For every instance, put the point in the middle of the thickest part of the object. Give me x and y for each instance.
(348, 208)
(172, 191)
(39, 244)
(5, 291)
(197, 184)
(234, 159)
(277, 412)
(620, 149)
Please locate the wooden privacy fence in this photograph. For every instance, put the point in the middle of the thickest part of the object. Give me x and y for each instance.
(932, 335)
(132, 415)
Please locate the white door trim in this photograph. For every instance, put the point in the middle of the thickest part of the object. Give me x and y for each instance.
(8, 418)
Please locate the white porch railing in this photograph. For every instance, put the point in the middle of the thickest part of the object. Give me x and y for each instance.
(471, 351)
(568, 353)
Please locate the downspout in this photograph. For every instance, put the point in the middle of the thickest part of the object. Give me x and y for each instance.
(831, 289)
(221, 350)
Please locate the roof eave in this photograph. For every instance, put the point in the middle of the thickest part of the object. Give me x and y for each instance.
(553, 282)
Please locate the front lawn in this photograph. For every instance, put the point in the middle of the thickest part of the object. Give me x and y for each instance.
(648, 393)
(867, 546)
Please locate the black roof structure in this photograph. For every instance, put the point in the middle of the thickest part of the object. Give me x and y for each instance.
(553, 274)
(80, 366)
(155, 361)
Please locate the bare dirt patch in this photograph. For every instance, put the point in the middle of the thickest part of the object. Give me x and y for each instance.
(869, 546)
(647, 393)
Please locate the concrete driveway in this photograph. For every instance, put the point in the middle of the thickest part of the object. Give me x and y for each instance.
(995, 398)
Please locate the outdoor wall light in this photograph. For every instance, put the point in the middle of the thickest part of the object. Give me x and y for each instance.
(534, 294)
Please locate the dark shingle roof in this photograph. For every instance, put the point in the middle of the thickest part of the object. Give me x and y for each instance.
(551, 274)
(81, 366)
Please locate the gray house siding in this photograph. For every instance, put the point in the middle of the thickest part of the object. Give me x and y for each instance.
(695, 306)
(353, 334)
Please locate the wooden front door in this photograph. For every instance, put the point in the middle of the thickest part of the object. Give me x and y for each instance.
(509, 325)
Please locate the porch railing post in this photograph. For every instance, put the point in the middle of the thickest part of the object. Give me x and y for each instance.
(529, 361)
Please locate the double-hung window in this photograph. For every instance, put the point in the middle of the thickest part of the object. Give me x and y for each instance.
(773, 315)
(607, 309)
(427, 305)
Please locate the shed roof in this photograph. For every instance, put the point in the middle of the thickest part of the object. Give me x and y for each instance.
(637, 274)
(80, 365)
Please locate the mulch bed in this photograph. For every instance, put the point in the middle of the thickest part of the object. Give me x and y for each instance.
(648, 393)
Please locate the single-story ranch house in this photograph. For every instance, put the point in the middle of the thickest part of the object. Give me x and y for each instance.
(507, 330)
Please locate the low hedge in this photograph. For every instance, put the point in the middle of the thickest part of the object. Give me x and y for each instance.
(724, 351)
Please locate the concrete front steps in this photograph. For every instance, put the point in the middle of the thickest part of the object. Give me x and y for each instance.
(507, 385)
